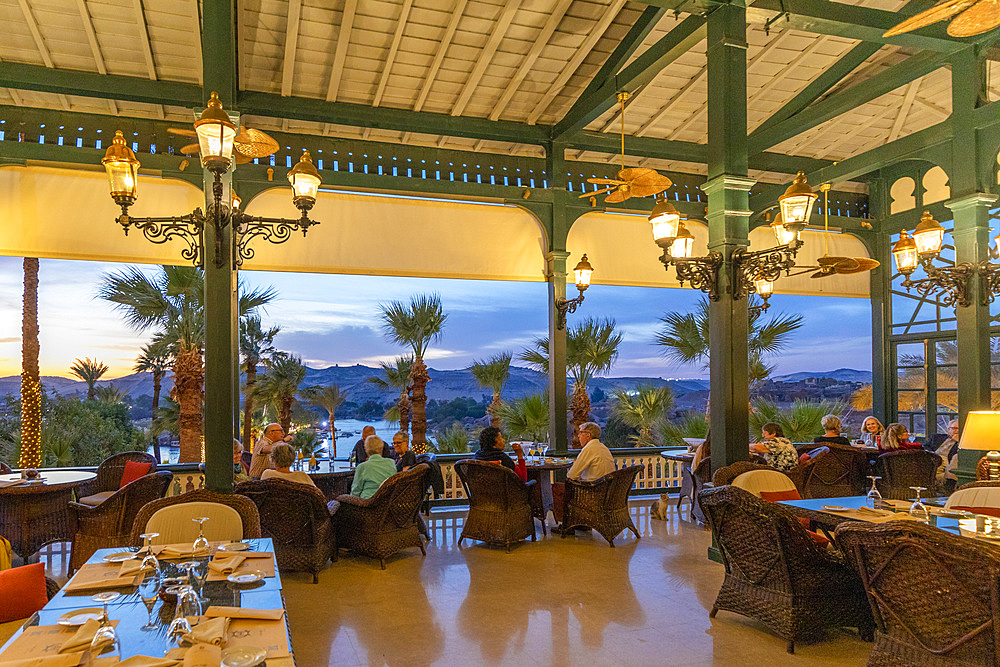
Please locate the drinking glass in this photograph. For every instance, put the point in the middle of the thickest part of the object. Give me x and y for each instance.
(149, 562)
(874, 498)
(918, 510)
(545, 451)
(149, 590)
(105, 642)
(200, 544)
(187, 605)
(197, 573)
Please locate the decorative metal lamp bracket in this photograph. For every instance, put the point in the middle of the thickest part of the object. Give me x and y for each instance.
(564, 306)
(702, 273)
(953, 282)
(767, 264)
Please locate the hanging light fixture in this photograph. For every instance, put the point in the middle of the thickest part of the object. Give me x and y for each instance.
(582, 272)
(783, 235)
(305, 181)
(665, 220)
(123, 171)
(216, 132)
(929, 235)
(797, 204)
(905, 253)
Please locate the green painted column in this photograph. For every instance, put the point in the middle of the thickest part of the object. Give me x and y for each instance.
(728, 189)
(555, 275)
(879, 290)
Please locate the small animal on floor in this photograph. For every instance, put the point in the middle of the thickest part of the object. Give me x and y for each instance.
(658, 510)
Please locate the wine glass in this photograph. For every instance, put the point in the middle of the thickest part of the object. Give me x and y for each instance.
(197, 573)
(149, 590)
(918, 510)
(187, 606)
(200, 544)
(105, 640)
(149, 562)
(874, 498)
(545, 451)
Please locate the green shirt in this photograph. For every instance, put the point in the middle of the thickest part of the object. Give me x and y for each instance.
(368, 476)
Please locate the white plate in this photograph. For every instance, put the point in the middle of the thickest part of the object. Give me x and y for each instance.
(247, 578)
(836, 508)
(243, 656)
(234, 546)
(120, 557)
(80, 616)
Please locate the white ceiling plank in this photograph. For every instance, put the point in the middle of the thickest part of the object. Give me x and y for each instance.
(343, 39)
(147, 50)
(927, 104)
(449, 33)
(668, 108)
(904, 109)
(828, 151)
(529, 60)
(486, 57)
(194, 16)
(404, 15)
(35, 34)
(574, 64)
(291, 43)
(95, 48)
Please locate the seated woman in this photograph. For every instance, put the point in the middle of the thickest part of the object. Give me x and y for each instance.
(872, 432)
(831, 428)
(491, 444)
(241, 471)
(777, 449)
(282, 457)
(897, 438)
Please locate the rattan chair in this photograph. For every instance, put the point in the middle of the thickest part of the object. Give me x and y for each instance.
(243, 506)
(298, 519)
(5, 469)
(109, 475)
(933, 595)
(500, 504)
(386, 523)
(601, 504)
(909, 467)
(110, 523)
(776, 574)
(978, 484)
(838, 473)
(694, 481)
(726, 474)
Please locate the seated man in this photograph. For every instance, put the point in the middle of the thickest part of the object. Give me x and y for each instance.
(593, 462)
(375, 470)
(273, 433)
(359, 453)
(282, 458)
(405, 459)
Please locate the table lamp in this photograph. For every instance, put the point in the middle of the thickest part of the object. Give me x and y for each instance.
(982, 432)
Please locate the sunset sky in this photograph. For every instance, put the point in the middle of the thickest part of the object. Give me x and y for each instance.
(333, 319)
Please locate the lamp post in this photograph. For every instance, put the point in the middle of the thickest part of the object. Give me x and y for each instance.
(582, 272)
(224, 232)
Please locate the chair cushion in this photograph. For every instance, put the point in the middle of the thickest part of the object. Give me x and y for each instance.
(804, 457)
(22, 591)
(174, 523)
(818, 539)
(133, 471)
(977, 496)
(755, 481)
(96, 499)
(776, 496)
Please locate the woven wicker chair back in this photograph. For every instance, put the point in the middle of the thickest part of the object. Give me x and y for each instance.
(983, 496)
(249, 517)
(933, 595)
(144, 490)
(109, 473)
(726, 474)
(755, 481)
(491, 485)
(289, 512)
(838, 473)
(903, 469)
(399, 498)
(703, 473)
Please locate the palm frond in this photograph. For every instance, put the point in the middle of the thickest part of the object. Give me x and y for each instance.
(493, 373)
(415, 324)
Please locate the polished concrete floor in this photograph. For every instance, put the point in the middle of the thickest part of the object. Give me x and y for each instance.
(554, 602)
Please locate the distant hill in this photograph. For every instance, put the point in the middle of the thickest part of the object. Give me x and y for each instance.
(844, 374)
(444, 385)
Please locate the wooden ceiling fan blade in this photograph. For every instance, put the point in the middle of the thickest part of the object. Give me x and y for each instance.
(640, 190)
(604, 181)
(828, 260)
(977, 19)
(632, 173)
(846, 264)
(181, 131)
(653, 178)
(939, 12)
(864, 264)
(596, 192)
(618, 196)
(191, 149)
(254, 143)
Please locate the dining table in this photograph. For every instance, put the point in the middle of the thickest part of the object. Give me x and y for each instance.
(541, 470)
(130, 615)
(34, 512)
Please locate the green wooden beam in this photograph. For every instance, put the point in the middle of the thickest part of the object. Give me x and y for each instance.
(636, 75)
(870, 89)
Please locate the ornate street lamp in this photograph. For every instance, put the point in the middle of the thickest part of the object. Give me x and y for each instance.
(582, 273)
(677, 243)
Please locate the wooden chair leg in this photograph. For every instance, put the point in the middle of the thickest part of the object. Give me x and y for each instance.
(382, 562)
(715, 610)
(315, 577)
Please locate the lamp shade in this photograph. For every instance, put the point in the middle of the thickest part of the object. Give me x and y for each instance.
(797, 202)
(764, 288)
(215, 135)
(905, 252)
(122, 167)
(929, 235)
(664, 219)
(782, 234)
(981, 431)
(305, 181)
(583, 272)
(683, 245)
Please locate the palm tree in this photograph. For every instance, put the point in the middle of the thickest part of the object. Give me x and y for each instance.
(111, 394)
(279, 386)
(90, 371)
(493, 374)
(690, 425)
(329, 399)
(256, 347)
(154, 359)
(643, 409)
(684, 337)
(31, 390)
(591, 348)
(397, 377)
(171, 304)
(415, 325)
(526, 417)
(801, 422)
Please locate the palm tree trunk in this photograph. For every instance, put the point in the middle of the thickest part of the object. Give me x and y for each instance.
(90, 390)
(419, 378)
(333, 436)
(285, 413)
(31, 393)
(404, 412)
(188, 391)
(251, 372)
(494, 410)
(157, 384)
(579, 405)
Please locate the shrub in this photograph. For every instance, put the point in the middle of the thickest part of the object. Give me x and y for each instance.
(453, 440)
(801, 422)
(690, 425)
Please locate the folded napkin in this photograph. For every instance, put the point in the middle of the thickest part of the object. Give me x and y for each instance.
(226, 564)
(203, 655)
(13, 482)
(179, 551)
(118, 582)
(130, 568)
(82, 637)
(242, 612)
(211, 631)
(137, 661)
(869, 510)
(65, 660)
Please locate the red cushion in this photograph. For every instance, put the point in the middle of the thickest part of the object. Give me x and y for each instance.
(988, 511)
(775, 496)
(133, 471)
(818, 539)
(805, 457)
(22, 592)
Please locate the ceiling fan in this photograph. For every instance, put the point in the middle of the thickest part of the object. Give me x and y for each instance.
(248, 144)
(973, 17)
(831, 265)
(631, 181)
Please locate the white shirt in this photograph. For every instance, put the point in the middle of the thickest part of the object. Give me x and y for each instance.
(593, 462)
(291, 476)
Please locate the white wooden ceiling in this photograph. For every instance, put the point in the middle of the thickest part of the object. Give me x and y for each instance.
(517, 60)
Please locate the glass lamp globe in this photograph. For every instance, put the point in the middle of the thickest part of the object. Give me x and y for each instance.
(797, 203)
(929, 235)
(305, 181)
(683, 245)
(664, 220)
(764, 287)
(783, 234)
(583, 272)
(215, 136)
(905, 252)
(122, 167)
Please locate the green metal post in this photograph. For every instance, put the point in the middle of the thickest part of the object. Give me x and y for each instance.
(728, 188)
(879, 290)
(930, 388)
(555, 273)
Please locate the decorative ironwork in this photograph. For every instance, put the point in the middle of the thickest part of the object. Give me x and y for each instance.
(702, 273)
(564, 306)
(273, 230)
(951, 283)
(767, 264)
(189, 228)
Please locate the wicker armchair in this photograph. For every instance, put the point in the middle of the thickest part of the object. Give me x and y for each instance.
(800, 475)
(387, 522)
(838, 473)
(297, 518)
(110, 523)
(601, 504)
(978, 484)
(500, 504)
(243, 506)
(109, 473)
(693, 481)
(909, 467)
(933, 595)
(5, 469)
(726, 474)
(776, 574)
